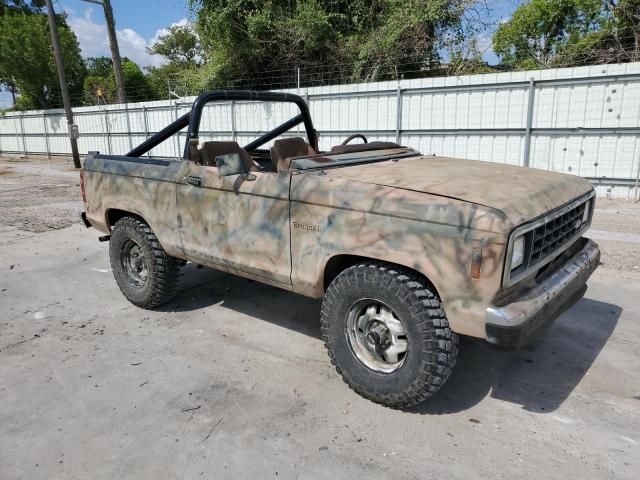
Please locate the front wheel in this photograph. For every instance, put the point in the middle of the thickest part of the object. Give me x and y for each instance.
(387, 334)
(145, 274)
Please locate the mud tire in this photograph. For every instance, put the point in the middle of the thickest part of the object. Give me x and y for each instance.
(433, 347)
(162, 270)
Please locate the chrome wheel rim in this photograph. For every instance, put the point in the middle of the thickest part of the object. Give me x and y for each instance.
(376, 336)
(134, 263)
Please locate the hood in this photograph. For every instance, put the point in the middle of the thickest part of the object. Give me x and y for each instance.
(520, 193)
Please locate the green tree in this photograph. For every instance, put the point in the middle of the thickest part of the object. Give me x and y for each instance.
(540, 31)
(100, 82)
(183, 55)
(181, 46)
(99, 66)
(617, 40)
(626, 26)
(136, 83)
(26, 58)
(254, 43)
(181, 79)
(21, 6)
(96, 90)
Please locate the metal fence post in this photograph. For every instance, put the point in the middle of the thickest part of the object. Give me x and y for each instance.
(126, 109)
(24, 139)
(306, 99)
(107, 129)
(527, 132)
(146, 125)
(233, 121)
(637, 197)
(175, 111)
(398, 113)
(46, 134)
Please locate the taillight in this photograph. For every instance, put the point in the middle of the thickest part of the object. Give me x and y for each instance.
(84, 194)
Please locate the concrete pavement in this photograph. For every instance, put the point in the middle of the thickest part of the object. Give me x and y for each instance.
(232, 381)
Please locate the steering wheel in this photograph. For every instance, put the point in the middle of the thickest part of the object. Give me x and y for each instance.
(354, 136)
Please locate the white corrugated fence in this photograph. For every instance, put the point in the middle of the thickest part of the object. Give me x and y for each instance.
(584, 121)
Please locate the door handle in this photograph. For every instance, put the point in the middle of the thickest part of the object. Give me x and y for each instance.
(191, 180)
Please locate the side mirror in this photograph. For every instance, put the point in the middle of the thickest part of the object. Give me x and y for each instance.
(230, 164)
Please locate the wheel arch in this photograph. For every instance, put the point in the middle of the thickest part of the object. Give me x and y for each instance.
(339, 263)
(112, 215)
(169, 241)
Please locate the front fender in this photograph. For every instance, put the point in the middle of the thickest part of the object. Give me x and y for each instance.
(432, 235)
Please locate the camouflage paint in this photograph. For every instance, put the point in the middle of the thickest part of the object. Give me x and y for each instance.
(430, 234)
(521, 193)
(145, 188)
(426, 213)
(247, 231)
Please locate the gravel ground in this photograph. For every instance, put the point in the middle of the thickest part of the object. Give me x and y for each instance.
(231, 380)
(38, 196)
(616, 227)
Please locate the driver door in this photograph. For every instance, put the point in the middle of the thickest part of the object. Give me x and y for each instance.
(246, 230)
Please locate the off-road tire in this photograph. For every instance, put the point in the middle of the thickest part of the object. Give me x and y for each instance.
(432, 346)
(162, 279)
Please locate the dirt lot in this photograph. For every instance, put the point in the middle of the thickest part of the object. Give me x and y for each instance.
(37, 196)
(231, 380)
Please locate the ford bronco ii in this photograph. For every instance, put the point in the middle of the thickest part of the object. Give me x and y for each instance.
(408, 251)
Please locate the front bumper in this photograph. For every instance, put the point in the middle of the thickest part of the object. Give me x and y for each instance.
(513, 324)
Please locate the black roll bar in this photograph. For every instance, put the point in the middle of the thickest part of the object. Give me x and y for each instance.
(276, 132)
(161, 136)
(250, 95)
(192, 119)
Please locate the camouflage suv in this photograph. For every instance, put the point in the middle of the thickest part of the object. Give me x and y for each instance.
(408, 251)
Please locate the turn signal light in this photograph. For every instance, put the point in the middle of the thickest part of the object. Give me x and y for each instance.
(476, 263)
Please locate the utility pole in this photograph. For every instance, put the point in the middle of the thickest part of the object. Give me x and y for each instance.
(113, 43)
(62, 78)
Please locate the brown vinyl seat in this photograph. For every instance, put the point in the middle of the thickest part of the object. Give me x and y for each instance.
(210, 150)
(285, 149)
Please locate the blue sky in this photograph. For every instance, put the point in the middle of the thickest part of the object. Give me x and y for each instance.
(140, 22)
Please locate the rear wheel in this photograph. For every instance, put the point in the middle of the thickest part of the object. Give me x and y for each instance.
(387, 334)
(145, 274)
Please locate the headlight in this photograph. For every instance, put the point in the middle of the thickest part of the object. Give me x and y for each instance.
(517, 254)
(587, 211)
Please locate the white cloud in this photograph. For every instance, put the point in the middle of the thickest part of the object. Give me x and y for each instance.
(164, 31)
(94, 40)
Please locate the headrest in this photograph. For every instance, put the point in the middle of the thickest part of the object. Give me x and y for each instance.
(285, 149)
(210, 150)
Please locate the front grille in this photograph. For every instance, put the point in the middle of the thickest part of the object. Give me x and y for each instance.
(548, 236)
(552, 235)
